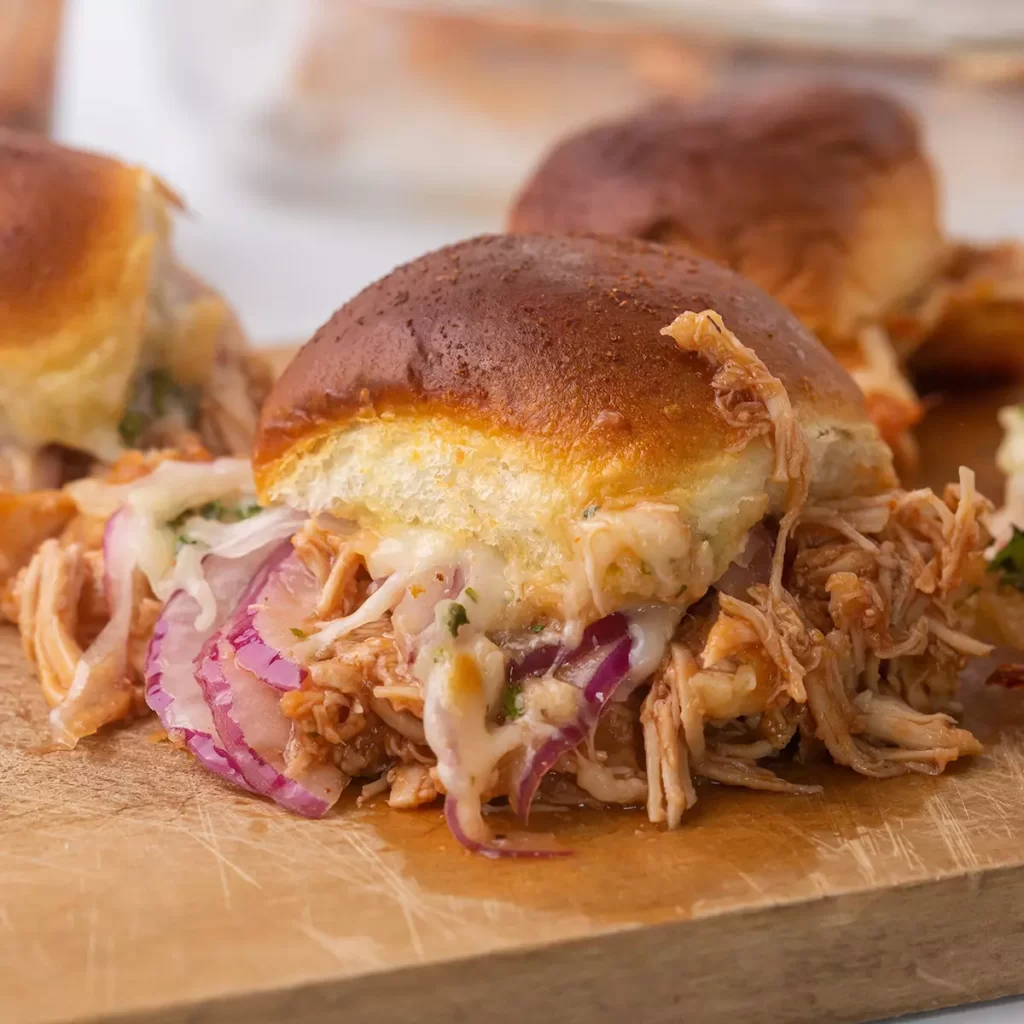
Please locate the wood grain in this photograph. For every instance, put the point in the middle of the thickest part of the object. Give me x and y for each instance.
(134, 884)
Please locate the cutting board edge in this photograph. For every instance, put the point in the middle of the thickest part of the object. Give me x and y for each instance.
(824, 951)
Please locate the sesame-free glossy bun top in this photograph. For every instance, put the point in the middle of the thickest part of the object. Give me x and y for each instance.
(821, 194)
(502, 384)
(548, 337)
(70, 228)
(81, 238)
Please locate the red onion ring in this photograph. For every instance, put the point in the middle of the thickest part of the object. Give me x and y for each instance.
(517, 846)
(607, 676)
(172, 689)
(283, 592)
(541, 660)
(255, 732)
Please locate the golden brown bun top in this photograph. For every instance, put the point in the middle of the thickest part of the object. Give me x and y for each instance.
(68, 219)
(821, 195)
(556, 340)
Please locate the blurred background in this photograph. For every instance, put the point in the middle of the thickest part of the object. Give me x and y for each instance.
(320, 142)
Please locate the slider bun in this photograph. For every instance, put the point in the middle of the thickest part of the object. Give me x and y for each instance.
(821, 195)
(978, 336)
(499, 387)
(80, 236)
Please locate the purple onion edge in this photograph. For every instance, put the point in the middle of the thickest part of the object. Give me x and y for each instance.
(494, 850)
(261, 776)
(201, 744)
(252, 652)
(571, 736)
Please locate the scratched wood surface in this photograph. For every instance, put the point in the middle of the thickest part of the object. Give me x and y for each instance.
(133, 884)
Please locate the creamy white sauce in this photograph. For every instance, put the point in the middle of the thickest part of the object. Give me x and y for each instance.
(650, 628)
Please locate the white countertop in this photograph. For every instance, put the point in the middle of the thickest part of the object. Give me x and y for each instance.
(286, 270)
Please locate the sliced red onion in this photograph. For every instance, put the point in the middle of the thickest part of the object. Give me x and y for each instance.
(517, 845)
(172, 690)
(542, 659)
(598, 676)
(255, 732)
(283, 593)
(221, 540)
(100, 690)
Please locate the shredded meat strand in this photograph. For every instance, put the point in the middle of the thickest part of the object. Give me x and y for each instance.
(734, 771)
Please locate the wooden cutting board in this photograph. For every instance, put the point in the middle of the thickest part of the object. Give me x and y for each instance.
(134, 884)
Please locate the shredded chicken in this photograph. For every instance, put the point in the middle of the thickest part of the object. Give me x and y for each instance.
(60, 606)
(610, 784)
(361, 706)
(891, 400)
(412, 785)
(61, 609)
(853, 644)
(670, 789)
(747, 395)
(47, 595)
(888, 719)
(230, 407)
(735, 771)
(27, 520)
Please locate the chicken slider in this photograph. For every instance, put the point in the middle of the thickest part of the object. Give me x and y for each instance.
(106, 343)
(595, 517)
(822, 195)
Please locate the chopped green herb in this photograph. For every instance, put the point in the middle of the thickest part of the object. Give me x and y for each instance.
(457, 617)
(220, 511)
(298, 632)
(590, 511)
(132, 426)
(537, 627)
(472, 594)
(212, 510)
(681, 591)
(1009, 561)
(510, 704)
(229, 513)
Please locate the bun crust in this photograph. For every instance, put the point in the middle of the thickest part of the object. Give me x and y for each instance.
(822, 196)
(499, 387)
(69, 224)
(81, 237)
(547, 337)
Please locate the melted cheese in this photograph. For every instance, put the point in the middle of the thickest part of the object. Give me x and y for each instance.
(644, 552)
(475, 593)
